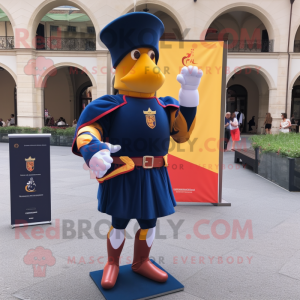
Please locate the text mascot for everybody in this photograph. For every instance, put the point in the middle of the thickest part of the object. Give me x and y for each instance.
(125, 138)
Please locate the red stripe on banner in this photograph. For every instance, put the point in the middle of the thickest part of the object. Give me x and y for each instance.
(192, 183)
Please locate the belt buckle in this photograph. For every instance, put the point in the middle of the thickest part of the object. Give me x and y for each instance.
(145, 161)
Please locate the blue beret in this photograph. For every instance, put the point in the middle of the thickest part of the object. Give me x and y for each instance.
(131, 31)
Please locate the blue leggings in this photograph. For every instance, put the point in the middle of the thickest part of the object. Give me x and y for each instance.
(119, 223)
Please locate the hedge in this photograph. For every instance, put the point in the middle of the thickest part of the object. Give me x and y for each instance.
(285, 144)
(18, 129)
(70, 131)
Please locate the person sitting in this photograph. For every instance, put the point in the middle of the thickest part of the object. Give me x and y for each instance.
(74, 123)
(61, 122)
(251, 123)
(1, 122)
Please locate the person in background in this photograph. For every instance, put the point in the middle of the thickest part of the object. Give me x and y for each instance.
(241, 117)
(227, 130)
(12, 120)
(61, 122)
(234, 130)
(268, 123)
(74, 123)
(285, 124)
(251, 123)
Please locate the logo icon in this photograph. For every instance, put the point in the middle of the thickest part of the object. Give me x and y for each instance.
(39, 258)
(150, 118)
(30, 163)
(30, 187)
(16, 145)
(189, 58)
(37, 67)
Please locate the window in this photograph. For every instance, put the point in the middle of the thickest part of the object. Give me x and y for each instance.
(71, 28)
(53, 28)
(91, 29)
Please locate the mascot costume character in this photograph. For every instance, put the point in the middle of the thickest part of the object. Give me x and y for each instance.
(124, 139)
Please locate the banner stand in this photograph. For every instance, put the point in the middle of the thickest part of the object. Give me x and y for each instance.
(29, 224)
(30, 180)
(222, 203)
(197, 170)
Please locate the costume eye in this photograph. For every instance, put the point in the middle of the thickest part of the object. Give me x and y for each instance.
(151, 54)
(135, 54)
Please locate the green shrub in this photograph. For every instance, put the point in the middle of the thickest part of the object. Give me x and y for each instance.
(18, 129)
(285, 144)
(70, 131)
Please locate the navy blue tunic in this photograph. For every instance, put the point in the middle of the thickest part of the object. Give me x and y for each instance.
(141, 193)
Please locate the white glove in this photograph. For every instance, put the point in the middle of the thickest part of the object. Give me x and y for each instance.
(189, 79)
(101, 161)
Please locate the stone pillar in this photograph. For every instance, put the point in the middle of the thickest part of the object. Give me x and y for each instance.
(94, 93)
(277, 100)
(289, 103)
(263, 106)
(29, 103)
(275, 109)
(103, 72)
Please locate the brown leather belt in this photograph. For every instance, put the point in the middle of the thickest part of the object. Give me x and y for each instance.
(147, 162)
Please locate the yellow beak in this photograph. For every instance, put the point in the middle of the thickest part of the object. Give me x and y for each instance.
(145, 76)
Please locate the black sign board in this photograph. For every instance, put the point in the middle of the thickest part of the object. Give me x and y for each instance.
(30, 182)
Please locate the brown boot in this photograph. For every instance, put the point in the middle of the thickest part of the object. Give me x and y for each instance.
(111, 269)
(142, 264)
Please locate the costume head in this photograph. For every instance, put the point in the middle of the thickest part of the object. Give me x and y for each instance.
(133, 44)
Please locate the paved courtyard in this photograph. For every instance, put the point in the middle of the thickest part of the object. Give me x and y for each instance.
(260, 263)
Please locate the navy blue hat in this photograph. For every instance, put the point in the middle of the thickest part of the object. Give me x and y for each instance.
(131, 31)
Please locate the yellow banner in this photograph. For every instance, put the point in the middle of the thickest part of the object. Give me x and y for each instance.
(203, 147)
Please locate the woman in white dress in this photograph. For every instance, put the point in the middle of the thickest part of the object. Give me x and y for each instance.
(285, 124)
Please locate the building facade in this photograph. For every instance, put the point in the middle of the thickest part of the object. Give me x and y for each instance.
(51, 56)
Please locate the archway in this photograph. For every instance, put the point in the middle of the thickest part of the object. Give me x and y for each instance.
(297, 41)
(174, 27)
(252, 95)
(295, 104)
(84, 97)
(236, 100)
(8, 99)
(63, 89)
(247, 33)
(6, 31)
(85, 12)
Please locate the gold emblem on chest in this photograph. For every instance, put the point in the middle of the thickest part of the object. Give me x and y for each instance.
(150, 118)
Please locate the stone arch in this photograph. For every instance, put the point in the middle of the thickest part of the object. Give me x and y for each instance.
(69, 100)
(46, 6)
(291, 84)
(294, 29)
(259, 85)
(168, 9)
(10, 71)
(265, 74)
(11, 20)
(256, 10)
(78, 94)
(47, 72)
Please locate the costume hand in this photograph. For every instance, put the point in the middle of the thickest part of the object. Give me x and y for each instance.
(189, 78)
(101, 161)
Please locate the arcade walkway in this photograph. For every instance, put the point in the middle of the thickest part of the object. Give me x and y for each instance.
(264, 264)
